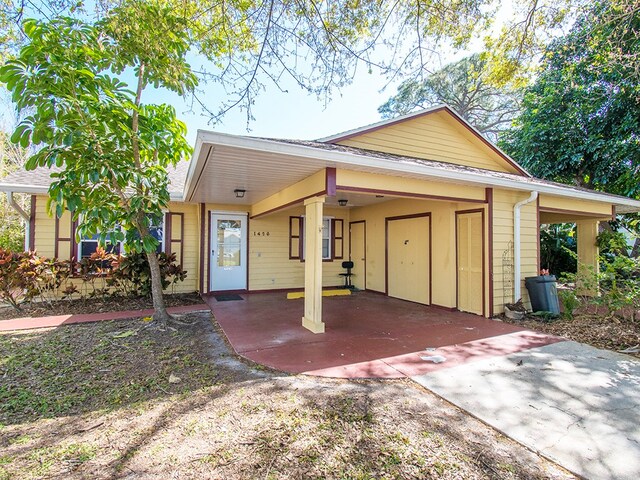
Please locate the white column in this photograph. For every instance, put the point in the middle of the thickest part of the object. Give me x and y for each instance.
(312, 319)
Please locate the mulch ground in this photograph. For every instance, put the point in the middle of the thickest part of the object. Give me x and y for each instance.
(112, 400)
(610, 333)
(95, 305)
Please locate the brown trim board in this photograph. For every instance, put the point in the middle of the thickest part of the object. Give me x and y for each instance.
(247, 252)
(202, 240)
(31, 241)
(489, 197)
(386, 248)
(167, 233)
(484, 258)
(364, 233)
(209, 251)
(330, 181)
(349, 188)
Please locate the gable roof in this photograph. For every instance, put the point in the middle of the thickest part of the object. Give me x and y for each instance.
(274, 162)
(37, 181)
(356, 132)
(271, 163)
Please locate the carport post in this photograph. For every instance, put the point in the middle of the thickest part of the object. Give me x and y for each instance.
(588, 257)
(312, 319)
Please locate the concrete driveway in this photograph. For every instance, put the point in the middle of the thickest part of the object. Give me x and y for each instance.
(575, 404)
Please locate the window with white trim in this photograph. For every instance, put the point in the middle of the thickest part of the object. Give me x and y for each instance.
(296, 238)
(326, 238)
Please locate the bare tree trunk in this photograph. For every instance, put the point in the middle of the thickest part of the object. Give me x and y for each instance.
(635, 251)
(160, 315)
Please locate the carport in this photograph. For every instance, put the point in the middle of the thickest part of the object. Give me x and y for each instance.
(368, 335)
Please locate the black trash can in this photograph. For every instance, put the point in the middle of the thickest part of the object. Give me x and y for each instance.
(543, 293)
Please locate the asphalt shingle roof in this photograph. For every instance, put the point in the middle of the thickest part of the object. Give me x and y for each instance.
(177, 175)
(40, 177)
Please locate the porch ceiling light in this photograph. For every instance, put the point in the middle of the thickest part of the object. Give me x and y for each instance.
(239, 192)
(343, 202)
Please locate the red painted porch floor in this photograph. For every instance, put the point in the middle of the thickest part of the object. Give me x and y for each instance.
(367, 335)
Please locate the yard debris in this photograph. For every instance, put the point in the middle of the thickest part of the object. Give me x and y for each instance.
(126, 333)
(434, 358)
(87, 429)
(635, 349)
(174, 379)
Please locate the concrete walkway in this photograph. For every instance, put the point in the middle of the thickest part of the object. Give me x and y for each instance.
(28, 323)
(575, 404)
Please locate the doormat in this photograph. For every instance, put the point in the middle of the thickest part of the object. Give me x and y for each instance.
(228, 297)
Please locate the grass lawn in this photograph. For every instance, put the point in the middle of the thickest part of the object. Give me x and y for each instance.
(98, 401)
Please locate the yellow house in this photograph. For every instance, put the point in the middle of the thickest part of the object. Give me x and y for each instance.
(425, 207)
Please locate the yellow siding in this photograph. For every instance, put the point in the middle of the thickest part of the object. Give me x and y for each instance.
(503, 202)
(312, 185)
(443, 243)
(374, 181)
(437, 136)
(269, 264)
(45, 238)
(190, 244)
(575, 205)
(45, 228)
(588, 255)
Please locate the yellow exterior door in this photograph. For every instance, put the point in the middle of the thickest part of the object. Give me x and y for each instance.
(408, 258)
(357, 254)
(470, 261)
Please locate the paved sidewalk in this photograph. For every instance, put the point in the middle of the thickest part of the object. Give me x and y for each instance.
(575, 404)
(29, 323)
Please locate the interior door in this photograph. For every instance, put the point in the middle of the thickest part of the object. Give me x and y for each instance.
(470, 261)
(228, 251)
(408, 258)
(357, 254)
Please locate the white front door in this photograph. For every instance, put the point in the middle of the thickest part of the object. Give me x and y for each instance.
(228, 251)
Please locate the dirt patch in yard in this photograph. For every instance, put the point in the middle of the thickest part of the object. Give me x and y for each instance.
(97, 401)
(95, 305)
(613, 333)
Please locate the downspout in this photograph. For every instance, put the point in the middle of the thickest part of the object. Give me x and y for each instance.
(516, 244)
(24, 215)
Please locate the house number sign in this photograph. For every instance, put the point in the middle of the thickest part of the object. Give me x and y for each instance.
(261, 234)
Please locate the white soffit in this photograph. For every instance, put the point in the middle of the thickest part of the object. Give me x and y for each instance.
(224, 162)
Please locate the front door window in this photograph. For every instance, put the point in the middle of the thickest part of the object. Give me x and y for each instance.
(229, 243)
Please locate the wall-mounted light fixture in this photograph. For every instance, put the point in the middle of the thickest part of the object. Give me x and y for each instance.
(239, 192)
(343, 202)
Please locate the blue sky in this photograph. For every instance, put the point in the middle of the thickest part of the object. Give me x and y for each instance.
(294, 114)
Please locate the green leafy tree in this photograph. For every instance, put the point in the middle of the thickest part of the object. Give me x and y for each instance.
(318, 44)
(113, 150)
(580, 118)
(463, 85)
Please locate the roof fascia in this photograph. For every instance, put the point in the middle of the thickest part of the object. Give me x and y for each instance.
(22, 188)
(335, 158)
